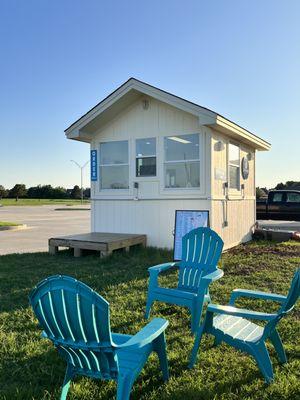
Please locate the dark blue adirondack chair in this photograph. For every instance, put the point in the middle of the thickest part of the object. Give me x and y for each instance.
(76, 320)
(231, 326)
(201, 251)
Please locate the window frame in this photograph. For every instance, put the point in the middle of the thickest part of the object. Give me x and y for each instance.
(229, 164)
(101, 165)
(199, 160)
(151, 156)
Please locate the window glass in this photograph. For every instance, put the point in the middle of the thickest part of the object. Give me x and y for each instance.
(146, 157)
(114, 166)
(114, 153)
(183, 147)
(234, 177)
(182, 175)
(234, 154)
(234, 166)
(146, 166)
(293, 197)
(114, 177)
(145, 147)
(277, 197)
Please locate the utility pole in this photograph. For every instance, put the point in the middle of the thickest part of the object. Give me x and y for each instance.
(81, 175)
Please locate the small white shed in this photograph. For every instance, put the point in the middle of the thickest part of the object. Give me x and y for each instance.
(153, 153)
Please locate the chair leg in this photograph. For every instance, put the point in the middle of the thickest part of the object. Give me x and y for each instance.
(148, 307)
(66, 385)
(124, 386)
(262, 357)
(199, 334)
(217, 342)
(159, 346)
(196, 315)
(277, 343)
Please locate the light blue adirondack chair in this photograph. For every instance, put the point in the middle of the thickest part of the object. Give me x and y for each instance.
(201, 251)
(231, 326)
(76, 320)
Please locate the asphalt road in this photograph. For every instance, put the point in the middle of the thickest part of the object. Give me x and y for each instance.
(282, 225)
(43, 222)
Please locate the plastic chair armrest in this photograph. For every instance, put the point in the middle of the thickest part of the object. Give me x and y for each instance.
(236, 293)
(146, 335)
(213, 276)
(240, 312)
(162, 267)
(207, 279)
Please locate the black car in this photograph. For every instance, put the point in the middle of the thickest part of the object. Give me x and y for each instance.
(280, 204)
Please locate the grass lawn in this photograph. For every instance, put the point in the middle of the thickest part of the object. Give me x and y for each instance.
(30, 368)
(41, 202)
(7, 223)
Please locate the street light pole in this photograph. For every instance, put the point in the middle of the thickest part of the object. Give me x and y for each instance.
(81, 175)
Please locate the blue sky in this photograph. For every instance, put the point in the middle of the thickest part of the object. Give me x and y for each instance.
(59, 58)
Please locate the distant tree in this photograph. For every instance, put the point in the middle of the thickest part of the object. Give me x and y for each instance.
(3, 192)
(46, 192)
(19, 190)
(280, 186)
(76, 192)
(289, 185)
(87, 193)
(260, 193)
(59, 193)
(34, 192)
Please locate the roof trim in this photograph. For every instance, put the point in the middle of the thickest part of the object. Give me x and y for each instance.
(209, 117)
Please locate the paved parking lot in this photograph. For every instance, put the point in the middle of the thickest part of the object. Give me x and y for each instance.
(43, 222)
(282, 225)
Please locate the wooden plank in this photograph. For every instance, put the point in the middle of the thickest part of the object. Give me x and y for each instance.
(103, 242)
(97, 237)
(77, 252)
(125, 242)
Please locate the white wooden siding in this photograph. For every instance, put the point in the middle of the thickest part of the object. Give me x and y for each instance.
(153, 213)
(238, 208)
(159, 120)
(155, 218)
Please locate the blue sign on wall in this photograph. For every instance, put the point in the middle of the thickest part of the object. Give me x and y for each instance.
(94, 166)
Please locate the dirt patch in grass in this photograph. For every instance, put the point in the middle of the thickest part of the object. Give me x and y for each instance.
(286, 250)
(259, 256)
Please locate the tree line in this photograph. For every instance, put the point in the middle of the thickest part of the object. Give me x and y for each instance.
(289, 185)
(43, 192)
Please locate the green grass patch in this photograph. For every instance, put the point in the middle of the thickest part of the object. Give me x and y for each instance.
(31, 369)
(41, 202)
(7, 223)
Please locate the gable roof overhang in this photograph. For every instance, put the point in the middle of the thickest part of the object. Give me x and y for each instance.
(132, 90)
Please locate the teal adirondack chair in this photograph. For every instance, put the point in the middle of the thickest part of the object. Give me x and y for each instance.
(76, 320)
(201, 251)
(231, 326)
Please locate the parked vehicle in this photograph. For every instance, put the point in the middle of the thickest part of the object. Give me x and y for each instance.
(280, 204)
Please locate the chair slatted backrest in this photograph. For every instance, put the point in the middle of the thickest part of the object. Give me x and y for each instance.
(201, 251)
(288, 305)
(76, 320)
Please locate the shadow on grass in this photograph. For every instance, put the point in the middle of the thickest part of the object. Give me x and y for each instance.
(31, 369)
(19, 273)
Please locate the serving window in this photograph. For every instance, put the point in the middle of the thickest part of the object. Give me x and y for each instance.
(182, 161)
(145, 157)
(114, 165)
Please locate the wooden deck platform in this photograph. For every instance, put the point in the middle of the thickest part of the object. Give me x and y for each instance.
(105, 243)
